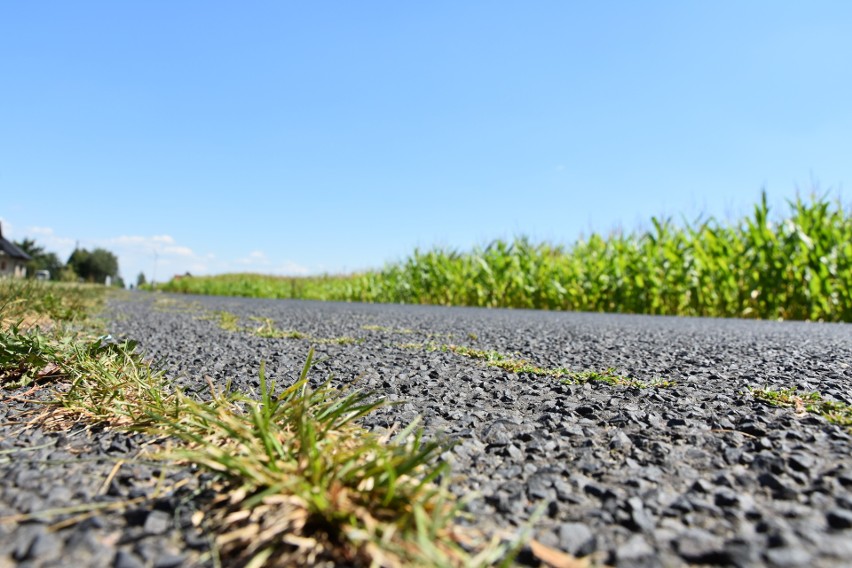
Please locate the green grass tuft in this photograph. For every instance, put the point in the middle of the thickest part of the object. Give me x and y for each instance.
(834, 411)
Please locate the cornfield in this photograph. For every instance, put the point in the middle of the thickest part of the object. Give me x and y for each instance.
(798, 266)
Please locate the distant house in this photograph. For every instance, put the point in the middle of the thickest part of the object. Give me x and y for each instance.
(13, 261)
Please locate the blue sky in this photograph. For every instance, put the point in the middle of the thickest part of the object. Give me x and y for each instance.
(290, 138)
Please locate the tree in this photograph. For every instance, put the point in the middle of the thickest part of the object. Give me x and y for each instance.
(78, 262)
(140, 280)
(40, 260)
(94, 266)
(30, 247)
(49, 262)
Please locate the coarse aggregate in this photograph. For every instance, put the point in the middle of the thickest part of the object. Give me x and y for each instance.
(698, 473)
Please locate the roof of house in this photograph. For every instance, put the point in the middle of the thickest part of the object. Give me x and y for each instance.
(12, 249)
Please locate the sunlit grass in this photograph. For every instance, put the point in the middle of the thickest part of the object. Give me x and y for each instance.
(807, 402)
(30, 302)
(518, 365)
(266, 328)
(384, 329)
(304, 483)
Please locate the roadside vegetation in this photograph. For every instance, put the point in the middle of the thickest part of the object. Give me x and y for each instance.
(794, 266)
(300, 482)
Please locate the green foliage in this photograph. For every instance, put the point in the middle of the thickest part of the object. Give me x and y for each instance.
(67, 274)
(347, 489)
(227, 320)
(50, 262)
(834, 411)
(795, 267)
(28, 301)
(27, 351)
(30, 247)
(41, 260)
(22, 356)
(266, 328)
(259, 286)
(140, 280)
(94, 266)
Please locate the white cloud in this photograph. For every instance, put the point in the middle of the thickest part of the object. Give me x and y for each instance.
(130, 240)
(7, 227)
(288, 268)
(260, 260)
(158, 256)
(179, 251)
(254, 258)
(158, 243)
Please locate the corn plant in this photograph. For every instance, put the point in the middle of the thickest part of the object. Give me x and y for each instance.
(793, 267)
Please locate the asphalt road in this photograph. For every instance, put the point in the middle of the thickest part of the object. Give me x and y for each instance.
(695, 473)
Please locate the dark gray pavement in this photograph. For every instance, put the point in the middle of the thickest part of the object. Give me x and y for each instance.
(699, 473)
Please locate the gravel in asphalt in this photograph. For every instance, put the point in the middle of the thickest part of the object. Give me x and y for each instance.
(699, 473)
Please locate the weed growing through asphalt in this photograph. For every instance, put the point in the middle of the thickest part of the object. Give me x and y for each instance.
(518, 366)
(382, 328)
(300, 482)
(227, 320)
(305, 483)
(174, 306)
(266, 328)
(834, 411)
